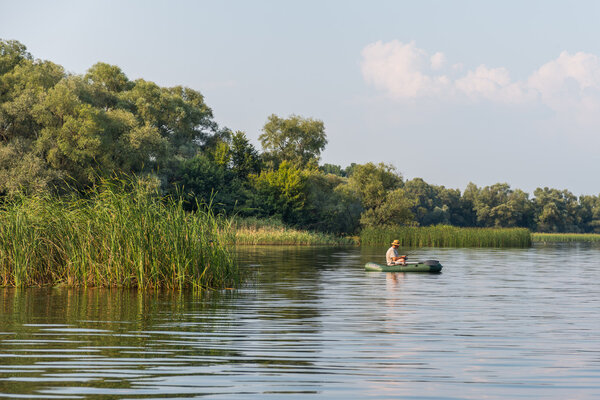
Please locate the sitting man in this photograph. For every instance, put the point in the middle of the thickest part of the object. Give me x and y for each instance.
(392, 257)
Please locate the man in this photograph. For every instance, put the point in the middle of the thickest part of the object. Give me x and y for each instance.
(392, 257)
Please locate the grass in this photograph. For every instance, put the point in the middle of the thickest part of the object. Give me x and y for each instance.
(447, 236)
(253, 231)
(565, 237)
(121, 234)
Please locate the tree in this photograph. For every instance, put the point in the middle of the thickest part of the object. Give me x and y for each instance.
(500, 206)
(379, 188)
(395, 209)
(328, 207)
(12, 53)
(245, 160)
(60, 126)
(332, 169)
(556, 210)
(456, 210)
(589, 211)
(179, 114)
(295, 139)
(425, 200)
(202, 179)
(105, 83)
(280, 193)
(372, 182)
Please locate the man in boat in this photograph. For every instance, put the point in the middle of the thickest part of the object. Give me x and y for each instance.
(392, 257)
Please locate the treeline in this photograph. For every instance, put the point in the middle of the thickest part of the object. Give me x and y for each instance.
(61, 132)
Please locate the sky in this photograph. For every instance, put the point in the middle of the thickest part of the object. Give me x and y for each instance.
(449, 91)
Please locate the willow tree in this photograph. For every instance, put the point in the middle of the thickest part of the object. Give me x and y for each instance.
(57, 127)
(297, 140)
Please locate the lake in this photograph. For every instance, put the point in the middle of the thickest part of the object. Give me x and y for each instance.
(311, 323)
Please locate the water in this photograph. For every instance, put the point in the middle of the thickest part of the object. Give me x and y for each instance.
(311, 323)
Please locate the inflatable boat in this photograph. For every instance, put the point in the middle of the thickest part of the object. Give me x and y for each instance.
(433, 266)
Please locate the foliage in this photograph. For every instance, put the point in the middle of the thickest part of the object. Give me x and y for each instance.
(62, 132)
(297, 140)
(393, 210)
(372, 182)
(328, 207)
(245, 159)
(121, 234)
(279, 193)
(446, 236)
(252, 231)
(378, 187)
(61, 126)
(499, 206)
(556, 210)
(201, 179)
(589, 212)
(332, 169)
(565, 237)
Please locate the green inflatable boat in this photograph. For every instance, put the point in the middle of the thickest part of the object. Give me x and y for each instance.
(433, 266)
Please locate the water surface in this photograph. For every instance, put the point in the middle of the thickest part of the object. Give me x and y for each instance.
(311, 323)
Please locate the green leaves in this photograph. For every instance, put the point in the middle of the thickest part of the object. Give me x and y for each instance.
(295, 139)
(280, 192)
(97, 124)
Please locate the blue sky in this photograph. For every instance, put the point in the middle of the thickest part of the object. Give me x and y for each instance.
(450, 91)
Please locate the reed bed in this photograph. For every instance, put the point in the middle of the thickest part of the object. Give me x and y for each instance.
(447, 236)
(253, 231)
(565, 237)
(120, 235)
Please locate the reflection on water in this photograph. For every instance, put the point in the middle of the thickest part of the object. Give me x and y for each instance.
(312, 323)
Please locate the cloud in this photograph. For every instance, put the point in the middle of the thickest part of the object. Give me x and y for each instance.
(567, 84)
(438, 60)
(403, 70)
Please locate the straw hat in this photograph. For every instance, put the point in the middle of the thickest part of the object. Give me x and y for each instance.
(395, 243)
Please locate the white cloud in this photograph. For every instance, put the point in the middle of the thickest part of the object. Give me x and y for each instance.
(567, 79)
(438, 60)
(402, 70)
(491, 84)
(569, 84)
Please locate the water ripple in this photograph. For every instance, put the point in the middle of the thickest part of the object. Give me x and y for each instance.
(495, 324)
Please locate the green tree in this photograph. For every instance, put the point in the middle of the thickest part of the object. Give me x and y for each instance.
(179, 114)
(371, 182)
(395, 209)
(589, 213)
(245, 159)
(295, 139)
(500, 206)
(332, 169)
(200, 178)
(77, 127)
(105, 84)
(379, 188)
(556, 210)
(425, 200)
(456, 210)
(279, 193)
(328, 207)
(12, 53)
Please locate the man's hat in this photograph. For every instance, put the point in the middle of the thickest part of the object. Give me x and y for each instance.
(396, 243)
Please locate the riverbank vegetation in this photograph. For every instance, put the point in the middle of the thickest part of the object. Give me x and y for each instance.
(447, 236)
(119, 235)
(565, 237)
(253, 231)
(60, 132)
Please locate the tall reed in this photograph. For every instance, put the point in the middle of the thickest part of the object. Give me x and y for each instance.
(253, 231)
(565, 237)
(446, 236)
(121, 234)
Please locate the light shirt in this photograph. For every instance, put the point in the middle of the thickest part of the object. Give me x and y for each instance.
(392, 252)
